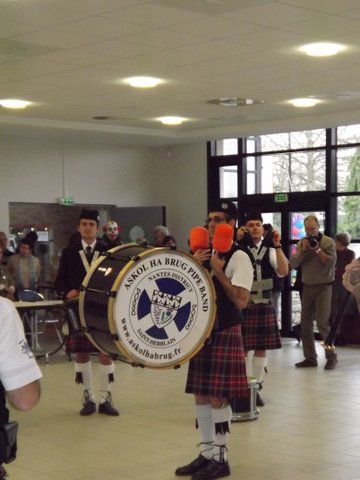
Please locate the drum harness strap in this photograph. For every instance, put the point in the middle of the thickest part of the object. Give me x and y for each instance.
(85, 260)
(259, 285)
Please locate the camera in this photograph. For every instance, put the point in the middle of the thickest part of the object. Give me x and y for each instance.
(269, 236)
(8, 443)
(313, 242)
(246, 240)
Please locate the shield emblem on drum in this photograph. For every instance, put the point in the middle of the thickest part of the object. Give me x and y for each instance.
(164, 307)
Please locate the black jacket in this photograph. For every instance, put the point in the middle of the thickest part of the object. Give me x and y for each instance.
(71, 271)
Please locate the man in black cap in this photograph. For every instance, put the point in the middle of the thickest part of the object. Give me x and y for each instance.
(76, 260)
(260, 328)
(217, 373)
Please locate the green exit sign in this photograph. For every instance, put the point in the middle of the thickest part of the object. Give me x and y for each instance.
(67, 201)
(281, 197)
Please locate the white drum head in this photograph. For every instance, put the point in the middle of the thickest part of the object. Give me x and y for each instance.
(164, 308)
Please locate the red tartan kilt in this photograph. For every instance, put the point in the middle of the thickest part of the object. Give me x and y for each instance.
(218, 370)
(79, 343)
(76, 342)
(260, 329)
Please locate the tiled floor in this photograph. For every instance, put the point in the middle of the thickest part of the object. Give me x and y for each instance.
(309, 428)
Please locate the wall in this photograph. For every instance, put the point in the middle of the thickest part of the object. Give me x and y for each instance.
(184, 188)
(31, 170)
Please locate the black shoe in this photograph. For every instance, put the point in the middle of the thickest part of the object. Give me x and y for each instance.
(212, 471)
(192, 467)
(3, 473)
(307, 363)
(259, 401)
(89, 408)
(106, 407)
(331, 363)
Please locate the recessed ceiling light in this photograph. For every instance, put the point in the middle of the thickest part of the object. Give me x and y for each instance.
(14, 103)
(322, 49)
(172, 120)
(304, 102)
(143, 82)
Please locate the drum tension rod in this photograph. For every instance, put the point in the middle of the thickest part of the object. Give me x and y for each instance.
(111, 294)
(114, 256)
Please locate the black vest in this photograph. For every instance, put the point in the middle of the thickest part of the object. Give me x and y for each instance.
(228, 314)
(267, 270)
(267, 273)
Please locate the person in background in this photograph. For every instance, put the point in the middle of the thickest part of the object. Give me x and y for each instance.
(24, 267)
(76, 260)
(7, 287)
(344, 256)
(31, 238)
(169, 241)
(260, 327)
(111, 237)
(316, 255)
(3, 244)
(160, 232)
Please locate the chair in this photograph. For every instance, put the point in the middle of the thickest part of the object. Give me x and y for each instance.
(44, 329)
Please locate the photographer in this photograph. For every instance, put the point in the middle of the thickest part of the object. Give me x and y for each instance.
(316, 255)
(19, 378)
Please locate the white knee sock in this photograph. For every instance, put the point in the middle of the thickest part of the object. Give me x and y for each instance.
(106, 377)
(259, 364)
(206, 428)
(221, 420)
(83, 374)
(249, 364)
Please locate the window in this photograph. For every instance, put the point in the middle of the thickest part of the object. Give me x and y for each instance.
(291, 172)
(228, 146)
(356, 248)
(293, 140)
(348, 215)
(348, 169)
(274, 218)
(348, 134)
(314, 170)
(228, 181)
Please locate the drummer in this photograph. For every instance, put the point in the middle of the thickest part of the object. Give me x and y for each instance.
(217, 373)
(75, 262)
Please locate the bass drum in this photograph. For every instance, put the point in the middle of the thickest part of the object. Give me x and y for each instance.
(155, 306)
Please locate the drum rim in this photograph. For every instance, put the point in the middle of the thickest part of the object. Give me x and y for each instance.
(82, 298)
(206, 334)
(112, 302)
(84, 284)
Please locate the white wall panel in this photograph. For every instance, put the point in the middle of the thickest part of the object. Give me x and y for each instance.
(31, 170)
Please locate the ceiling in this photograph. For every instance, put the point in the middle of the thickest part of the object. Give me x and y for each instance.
(69, 56)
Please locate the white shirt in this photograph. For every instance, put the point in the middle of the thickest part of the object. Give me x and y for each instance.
(240, 271)
(85, 245)
(17, 364)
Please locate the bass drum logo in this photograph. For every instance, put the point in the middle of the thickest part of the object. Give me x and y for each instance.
(164, 308)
